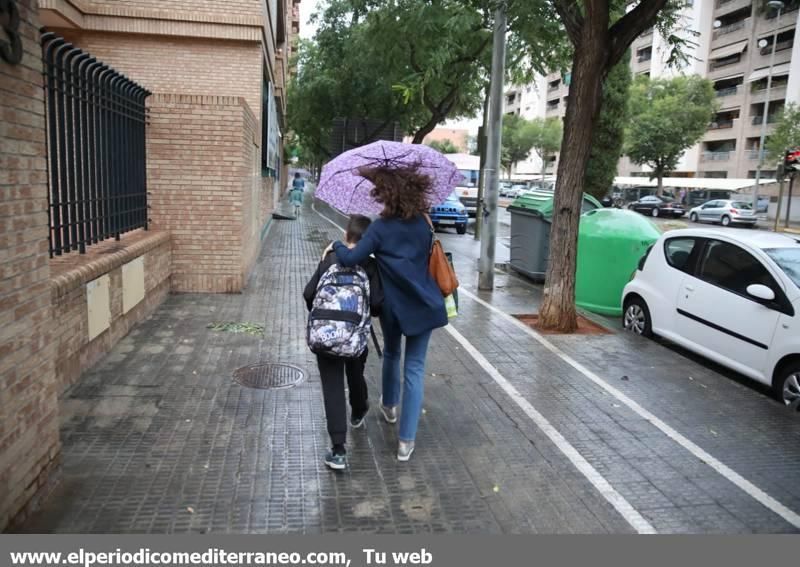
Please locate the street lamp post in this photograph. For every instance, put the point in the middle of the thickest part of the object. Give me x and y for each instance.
(774, 4)
(491, 175)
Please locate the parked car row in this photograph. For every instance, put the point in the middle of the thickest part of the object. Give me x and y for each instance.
(732, 296)
(658, 207)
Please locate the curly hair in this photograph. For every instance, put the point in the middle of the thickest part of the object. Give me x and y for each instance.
(403, 192)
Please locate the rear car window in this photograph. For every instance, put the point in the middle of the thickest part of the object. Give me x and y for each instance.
(742, 205)
(678, 251)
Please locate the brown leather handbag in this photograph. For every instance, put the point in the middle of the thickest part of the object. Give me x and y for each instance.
(441, 270)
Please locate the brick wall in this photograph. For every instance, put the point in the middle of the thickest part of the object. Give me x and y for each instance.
(175, 65)
(183, 7)
(70, 275)
(201, 153)
(29, 445)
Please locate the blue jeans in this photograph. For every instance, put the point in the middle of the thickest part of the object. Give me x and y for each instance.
(413, 385)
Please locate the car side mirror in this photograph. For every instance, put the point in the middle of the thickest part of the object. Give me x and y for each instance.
(761, 292)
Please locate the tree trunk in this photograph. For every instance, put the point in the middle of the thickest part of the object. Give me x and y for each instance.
(557, 311)
(660, 186)
(544, 168)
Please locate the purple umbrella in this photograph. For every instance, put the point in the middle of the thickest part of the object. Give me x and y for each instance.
(343, 188)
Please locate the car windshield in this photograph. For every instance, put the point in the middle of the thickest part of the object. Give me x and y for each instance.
(741, 205)
(788, 259)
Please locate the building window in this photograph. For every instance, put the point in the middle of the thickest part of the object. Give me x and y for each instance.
(644, 54)
(270, 165)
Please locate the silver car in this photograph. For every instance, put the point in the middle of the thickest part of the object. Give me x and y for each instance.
(725, 212)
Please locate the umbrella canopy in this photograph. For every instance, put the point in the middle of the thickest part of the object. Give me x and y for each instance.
(342, 187)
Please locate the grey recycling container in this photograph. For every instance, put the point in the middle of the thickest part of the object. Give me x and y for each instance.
(531, 217)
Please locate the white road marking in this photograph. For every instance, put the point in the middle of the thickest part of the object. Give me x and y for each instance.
(748, 487)
(745, 485)
(634, 518)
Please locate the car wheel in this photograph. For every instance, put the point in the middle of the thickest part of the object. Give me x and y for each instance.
(461, 229)
(787, 385)
(693, 217)
(726, 220)
(655, 212)
(636, 317)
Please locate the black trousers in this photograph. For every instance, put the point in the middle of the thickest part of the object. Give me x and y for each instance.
(332, 372)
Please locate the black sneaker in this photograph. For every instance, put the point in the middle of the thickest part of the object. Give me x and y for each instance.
(357, 421)
(337, 462)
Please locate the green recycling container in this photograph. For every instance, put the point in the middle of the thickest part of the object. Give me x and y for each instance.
(610, 244)
(531, 217)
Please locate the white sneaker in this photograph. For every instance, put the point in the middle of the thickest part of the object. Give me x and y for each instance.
(389, 413)
(404, 450)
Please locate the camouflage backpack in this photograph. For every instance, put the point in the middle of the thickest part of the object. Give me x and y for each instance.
(339, 321)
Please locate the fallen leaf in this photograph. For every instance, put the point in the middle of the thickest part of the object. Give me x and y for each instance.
(424, 410)
(617, 405)
(496, 488)
(190, 509)
(188, 421)
(714, 433)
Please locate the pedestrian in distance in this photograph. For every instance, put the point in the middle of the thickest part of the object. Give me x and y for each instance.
(401, 240)
(341, 303)
(296, 200)
(298, 182)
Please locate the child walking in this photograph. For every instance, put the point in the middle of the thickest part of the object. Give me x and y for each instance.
(341, 302)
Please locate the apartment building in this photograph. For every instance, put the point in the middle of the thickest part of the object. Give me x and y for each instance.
(732, 43)
(526, 101)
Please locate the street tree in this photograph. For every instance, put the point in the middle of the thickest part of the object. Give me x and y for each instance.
(518, 139)
(445, 146)
(786, 134)
(598, 45)
(668, 116)
(547, 134)
(609, 134)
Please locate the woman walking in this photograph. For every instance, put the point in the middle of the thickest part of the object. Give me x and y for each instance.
(413, 305)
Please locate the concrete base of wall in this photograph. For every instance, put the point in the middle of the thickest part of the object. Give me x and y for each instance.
(75, 304)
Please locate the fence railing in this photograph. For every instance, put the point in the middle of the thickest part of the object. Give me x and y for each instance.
(96, 122)
(716, 156)
(728, 91)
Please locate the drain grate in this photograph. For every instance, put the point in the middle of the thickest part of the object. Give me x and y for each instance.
(269, 376)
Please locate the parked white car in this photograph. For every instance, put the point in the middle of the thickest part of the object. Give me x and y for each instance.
(730, 295)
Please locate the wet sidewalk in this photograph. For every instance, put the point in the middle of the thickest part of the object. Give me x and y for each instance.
(159, 438)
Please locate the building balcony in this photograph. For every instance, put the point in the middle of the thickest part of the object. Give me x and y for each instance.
(783, 55)
(722, 7)
(775, 93)
(754, 154)
(759, 120)
(722, 129)
(716, 156)
(718, 69)
(767, 25)
(731, 33)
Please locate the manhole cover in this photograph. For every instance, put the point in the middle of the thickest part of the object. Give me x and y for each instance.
(269, 376)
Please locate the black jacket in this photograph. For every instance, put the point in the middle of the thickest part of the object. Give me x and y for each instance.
(375, 288)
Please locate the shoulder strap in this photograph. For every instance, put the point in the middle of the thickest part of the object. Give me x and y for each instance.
(433, 231)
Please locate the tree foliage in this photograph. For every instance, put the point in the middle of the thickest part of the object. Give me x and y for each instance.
(547, 134)
(609, 134)
(518, 139)
(668, 116)
(786, 134)
(444, 146)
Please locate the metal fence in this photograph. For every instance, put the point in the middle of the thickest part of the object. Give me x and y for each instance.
(96, 122)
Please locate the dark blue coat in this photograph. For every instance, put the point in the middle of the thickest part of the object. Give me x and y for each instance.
(402, 249)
